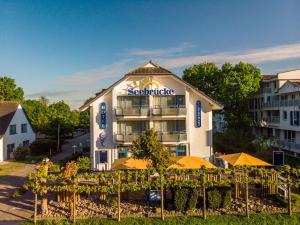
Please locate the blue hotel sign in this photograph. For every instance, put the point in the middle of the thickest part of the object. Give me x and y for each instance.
(198, 114)
(103, 115)
(164, 91)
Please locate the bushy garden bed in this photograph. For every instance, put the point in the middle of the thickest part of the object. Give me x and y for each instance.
(256, 219)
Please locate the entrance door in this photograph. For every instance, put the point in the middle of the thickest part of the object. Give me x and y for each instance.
(10, 148)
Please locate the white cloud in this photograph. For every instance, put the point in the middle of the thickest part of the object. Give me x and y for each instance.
(85, 83)
(256, 56)
(159, 52)
(86, 77)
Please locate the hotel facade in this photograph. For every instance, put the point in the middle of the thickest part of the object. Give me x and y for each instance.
(149, 97)
(276, 110)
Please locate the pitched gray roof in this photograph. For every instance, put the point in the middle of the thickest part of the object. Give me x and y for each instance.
(7, 112)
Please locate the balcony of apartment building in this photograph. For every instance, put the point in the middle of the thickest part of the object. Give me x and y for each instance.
(132, 106)
(287, 144)
(171, 130)
(173, 105)
(128, 131)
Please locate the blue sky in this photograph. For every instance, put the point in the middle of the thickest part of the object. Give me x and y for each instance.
(71, 49)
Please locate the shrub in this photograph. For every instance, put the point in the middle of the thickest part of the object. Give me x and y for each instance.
(193, 198)
(227, 196)
(42, 147)
(84, 163)
(214, 198)
(20, 153)
(111, 202)
(180, 199)
(19, 192)
(86, 149)
(295, 200)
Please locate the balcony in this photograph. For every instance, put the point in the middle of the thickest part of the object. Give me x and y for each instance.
(169, 111)
(267, 90)
(122, 137)
(286, 144)
(172, 136)
(282, 103)
(272, 119)
(133, 111)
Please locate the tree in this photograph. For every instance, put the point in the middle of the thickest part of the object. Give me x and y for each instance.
(44, 100)
(37, 113)
(60, 115)
(147, 147)
(9, 90)
(206, 77)
(230, 85)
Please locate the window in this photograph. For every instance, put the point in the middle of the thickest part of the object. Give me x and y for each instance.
(294, 118)
(181, 150)
(103, 156)
(122, 153)
(24, 128)
(277, 134)
(289, 135)
(26, 143)
(12, 129)
(284, 115)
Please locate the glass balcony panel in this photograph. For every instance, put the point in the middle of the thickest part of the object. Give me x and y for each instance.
(170, 110)
(133, 111)
(173, 137)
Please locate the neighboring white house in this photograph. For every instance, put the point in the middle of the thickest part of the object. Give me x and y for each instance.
(150, 97)
(276, 110)
(15, 129)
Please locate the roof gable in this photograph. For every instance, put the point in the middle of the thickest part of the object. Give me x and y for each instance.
(150, 68)
(7, 112)
(154, 69)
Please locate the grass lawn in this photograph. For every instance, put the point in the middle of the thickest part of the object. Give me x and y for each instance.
(259, 219)
(9, 167)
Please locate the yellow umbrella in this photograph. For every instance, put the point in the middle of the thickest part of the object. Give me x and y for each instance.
(190, 162)
(243, 159)
(129, 164)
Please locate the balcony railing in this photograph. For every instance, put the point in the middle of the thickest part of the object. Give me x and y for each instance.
(286, 144)
(272, 119)
(171, 110)
(267, 90)
(130, 137)
(133, 111)
(172, 136)
(163, 137)
(282, 103)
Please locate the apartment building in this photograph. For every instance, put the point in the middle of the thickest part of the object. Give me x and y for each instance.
(149, 97)
(276, 108)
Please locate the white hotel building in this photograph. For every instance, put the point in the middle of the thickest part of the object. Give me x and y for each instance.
(149, 97)
(276, 109)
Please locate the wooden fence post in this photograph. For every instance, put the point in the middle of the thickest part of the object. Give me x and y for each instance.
(162, 197)
(247, 196)
(35, 208)
(119, 197)
(204, 197)
(74, 205)
(289, 196)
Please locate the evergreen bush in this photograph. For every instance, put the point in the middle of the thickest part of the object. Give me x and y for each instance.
(227, 196)
(193, 198)
(180, 199)
(214, 198)
(20, 153)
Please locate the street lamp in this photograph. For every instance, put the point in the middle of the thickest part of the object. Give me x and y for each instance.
(74, 149)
